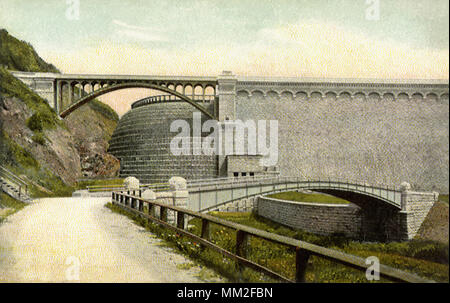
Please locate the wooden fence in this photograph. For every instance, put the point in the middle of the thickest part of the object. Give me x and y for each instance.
(303, 250)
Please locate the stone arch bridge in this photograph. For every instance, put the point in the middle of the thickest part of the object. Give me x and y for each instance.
(396, 211)
(223, 89)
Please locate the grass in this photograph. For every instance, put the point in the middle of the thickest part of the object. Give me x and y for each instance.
(99, 182)
(443, 198)
(424, 258)
(302, 197)
(10, 205)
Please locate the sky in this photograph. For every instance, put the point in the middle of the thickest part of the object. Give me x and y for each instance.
(396, 39)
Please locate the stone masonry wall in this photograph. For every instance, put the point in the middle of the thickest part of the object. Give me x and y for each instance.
(415, 208)
(380, 141)
(323, 219)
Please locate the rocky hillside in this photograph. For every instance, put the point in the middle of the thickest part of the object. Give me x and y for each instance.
(35, 143)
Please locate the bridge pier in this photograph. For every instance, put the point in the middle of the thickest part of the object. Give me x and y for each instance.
(415, 208)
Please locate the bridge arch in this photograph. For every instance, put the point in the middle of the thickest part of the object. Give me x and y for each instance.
(243, 92)
(301, 95)
(287, 94)
(432, 97)
(115, 87)
(344, 95)
(374, 96)
(331, 95)
(388, 97)
(272, 93)
(403, 95)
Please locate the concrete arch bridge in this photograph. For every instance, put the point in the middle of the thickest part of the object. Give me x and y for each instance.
(66, 92)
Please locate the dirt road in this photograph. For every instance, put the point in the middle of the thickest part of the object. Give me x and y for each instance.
(79, 240)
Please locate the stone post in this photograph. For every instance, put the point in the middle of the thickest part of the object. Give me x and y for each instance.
(180, 196)
(405, 187)
(149, 195)
(131, 183)
(403, 214)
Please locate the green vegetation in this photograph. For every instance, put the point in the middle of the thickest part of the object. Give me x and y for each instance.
(43, 115)
(12, 154)
(39, 138)
(443, 198)
(9, 205)
(21, 162)
(98, 182)
(21, 56)
(302, 197)
(104, 109)
(425, 258)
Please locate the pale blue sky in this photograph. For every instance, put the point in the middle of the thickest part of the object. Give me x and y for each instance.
(297, 38)
(168, 36)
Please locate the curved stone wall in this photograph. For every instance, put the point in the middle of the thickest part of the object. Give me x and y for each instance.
(318, 218)
(142, 139)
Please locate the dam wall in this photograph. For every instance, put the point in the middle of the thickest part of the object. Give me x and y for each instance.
(380, 140)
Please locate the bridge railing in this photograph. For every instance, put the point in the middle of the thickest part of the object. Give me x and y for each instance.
(14, 181)
(157, 187)
(171, 98)
(303, 250)
(289, 179)
(233, 189)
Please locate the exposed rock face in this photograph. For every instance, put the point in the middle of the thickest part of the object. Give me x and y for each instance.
(68, 149)
(91, 131)
(58, 154)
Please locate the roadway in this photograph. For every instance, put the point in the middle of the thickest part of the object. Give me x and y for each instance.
(80, 240)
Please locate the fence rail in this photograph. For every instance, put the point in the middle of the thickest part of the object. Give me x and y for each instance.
(303, 250)
(19, 184)
(157, 187)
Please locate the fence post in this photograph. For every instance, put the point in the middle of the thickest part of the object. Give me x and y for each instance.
(301, 262)
(163, 213)
(216, 194)
(205, 234)
(180, 220)
(241, 249)
(241, 243)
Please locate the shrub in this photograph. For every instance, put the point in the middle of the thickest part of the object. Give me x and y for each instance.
(40, 121)
(39, 138)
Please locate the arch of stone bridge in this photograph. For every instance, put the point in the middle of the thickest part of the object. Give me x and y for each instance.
(379, 219)
(366, 199)
(114, 87)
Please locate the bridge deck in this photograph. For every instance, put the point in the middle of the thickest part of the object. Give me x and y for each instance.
(206, 195)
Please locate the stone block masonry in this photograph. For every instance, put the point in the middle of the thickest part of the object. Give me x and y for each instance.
(415, 208)
(318, 218)
(378, 222)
